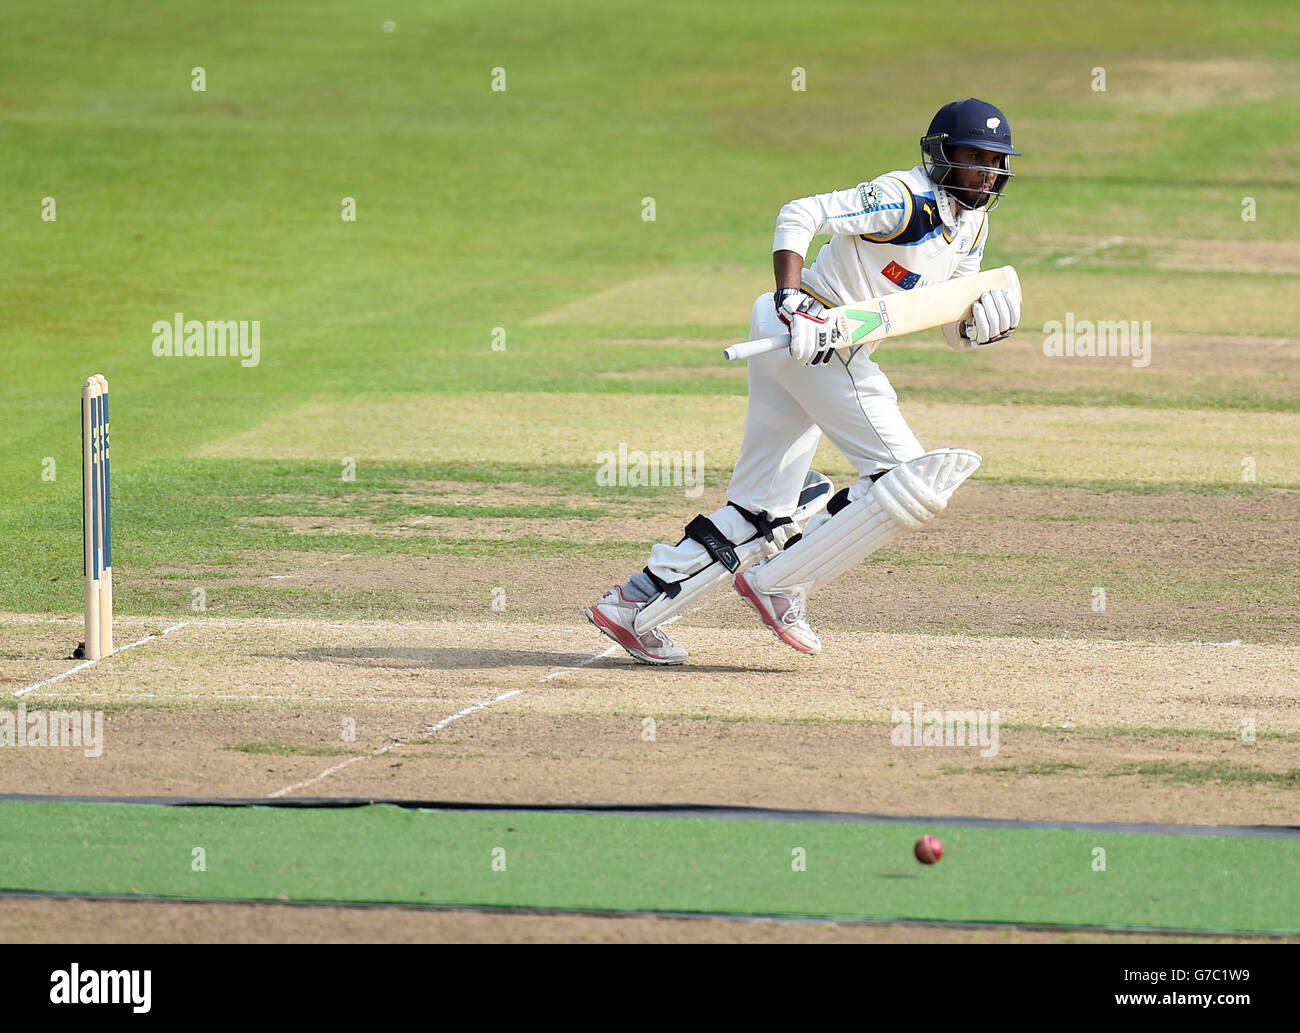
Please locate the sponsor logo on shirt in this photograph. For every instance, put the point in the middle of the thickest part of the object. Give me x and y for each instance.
(905, 278)
(869, 196)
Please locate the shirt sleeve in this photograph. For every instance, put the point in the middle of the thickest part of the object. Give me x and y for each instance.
(878, 208)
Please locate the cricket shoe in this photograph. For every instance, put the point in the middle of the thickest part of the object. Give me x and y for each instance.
(614, 614)
(784, 614)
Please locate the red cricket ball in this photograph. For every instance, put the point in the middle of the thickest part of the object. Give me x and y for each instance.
(928, 849)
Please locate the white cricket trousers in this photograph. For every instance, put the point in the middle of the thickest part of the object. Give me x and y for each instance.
(791, 405)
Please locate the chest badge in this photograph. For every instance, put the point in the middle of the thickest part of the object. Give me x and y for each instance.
(905, 278)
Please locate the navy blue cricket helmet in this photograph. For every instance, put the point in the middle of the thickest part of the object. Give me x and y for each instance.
(968, 123)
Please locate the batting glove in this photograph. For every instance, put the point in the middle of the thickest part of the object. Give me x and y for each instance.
(994, 317)
(812, 335)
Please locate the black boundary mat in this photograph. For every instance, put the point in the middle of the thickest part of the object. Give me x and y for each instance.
(678, 810)
(727, 916)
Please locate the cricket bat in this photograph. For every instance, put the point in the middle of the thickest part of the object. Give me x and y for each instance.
(922, 308)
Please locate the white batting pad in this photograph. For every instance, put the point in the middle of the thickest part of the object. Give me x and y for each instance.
(907, 498)
(689, 564)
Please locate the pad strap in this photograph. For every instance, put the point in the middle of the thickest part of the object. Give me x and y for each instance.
(717, 544)
(760, 521)
(668, 588)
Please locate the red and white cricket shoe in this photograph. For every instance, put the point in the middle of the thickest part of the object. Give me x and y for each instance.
(784, 614)
(613, 614)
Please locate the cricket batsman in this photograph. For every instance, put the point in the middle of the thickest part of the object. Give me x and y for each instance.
(785, 532)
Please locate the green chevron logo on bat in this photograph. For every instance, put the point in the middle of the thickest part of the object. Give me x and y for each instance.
(869, 320)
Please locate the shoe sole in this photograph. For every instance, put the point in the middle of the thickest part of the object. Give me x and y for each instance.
(748, 594)
(629, 644)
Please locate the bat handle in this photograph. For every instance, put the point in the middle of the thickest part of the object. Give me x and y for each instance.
(748, 349)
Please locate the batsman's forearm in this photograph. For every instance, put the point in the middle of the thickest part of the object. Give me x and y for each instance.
(788, 266)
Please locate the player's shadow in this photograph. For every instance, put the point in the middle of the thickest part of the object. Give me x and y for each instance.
(439, 659)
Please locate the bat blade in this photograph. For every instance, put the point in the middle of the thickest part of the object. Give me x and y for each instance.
(893, 315)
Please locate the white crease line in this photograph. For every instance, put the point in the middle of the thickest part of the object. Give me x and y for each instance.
(58, 677)
(434, 729)
(285, 622)
(580, 663)
(298, 697)
(91, 663)
(1099, 246)
(235, 697)
(329, 771)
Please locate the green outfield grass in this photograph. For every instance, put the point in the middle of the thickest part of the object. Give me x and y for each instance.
(522, 210)
(605, 863)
